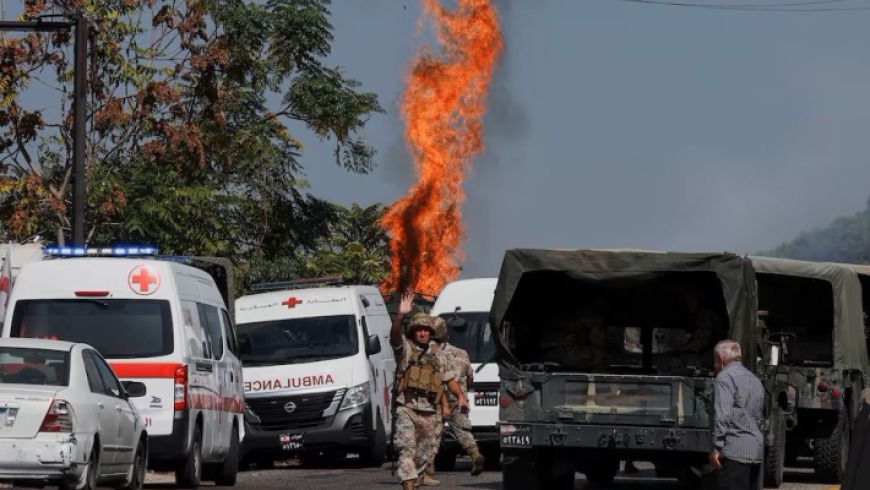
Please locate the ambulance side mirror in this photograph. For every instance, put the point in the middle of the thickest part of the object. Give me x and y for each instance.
(134, 389)
(373, 345)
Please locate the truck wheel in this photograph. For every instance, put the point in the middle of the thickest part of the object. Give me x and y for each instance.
(445, 460)
(190, 473)
(774, 453)
(374, 456)
(830, 453)
(602, 473)
(229, 470)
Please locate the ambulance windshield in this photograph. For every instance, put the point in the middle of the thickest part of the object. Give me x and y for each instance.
(118, 328)
(297, 340)
(473, 335)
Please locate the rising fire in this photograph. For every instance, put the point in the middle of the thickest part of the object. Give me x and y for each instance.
(443, 106)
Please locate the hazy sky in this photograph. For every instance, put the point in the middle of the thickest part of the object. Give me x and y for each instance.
(616, 124)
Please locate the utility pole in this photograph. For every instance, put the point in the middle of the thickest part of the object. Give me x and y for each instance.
(79, 25)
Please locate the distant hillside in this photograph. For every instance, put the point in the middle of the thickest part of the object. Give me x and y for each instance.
(846, 239)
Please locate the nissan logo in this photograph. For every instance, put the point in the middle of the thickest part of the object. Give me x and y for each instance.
(289, 407)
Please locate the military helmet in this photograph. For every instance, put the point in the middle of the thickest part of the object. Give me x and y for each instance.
(421, 320)
(441, 333)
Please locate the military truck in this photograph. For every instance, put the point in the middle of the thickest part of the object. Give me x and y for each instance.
(595, 363)
(813, 364)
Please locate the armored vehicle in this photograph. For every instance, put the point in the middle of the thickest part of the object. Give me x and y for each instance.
(607, 356)
(813, 364)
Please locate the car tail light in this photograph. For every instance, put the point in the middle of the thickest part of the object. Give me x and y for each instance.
(181, 388)
(58, 418)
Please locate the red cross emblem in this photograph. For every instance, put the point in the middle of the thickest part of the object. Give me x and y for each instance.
(291, 301)
(143, 281)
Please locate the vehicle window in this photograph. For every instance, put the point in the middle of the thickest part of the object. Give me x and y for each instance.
(19, 365)
(230, 334)
(117, 328)
(94, 380)
(113, 386)
(802, 310)
(210, 321)
(474, 336)
(297, 340)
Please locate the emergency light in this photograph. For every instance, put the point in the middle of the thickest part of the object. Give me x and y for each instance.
(116, 251)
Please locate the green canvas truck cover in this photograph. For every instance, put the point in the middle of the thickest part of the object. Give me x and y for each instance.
(735, 274)
(849, 348)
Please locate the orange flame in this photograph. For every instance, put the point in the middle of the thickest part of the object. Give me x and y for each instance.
(443, 106)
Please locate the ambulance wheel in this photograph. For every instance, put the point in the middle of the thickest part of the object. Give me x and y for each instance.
(374, 456)
(229, 469)
(190, 473)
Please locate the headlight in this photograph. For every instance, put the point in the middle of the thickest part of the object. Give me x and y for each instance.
(356, 396)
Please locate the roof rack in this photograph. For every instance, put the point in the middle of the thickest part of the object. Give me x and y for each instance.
(311, 282)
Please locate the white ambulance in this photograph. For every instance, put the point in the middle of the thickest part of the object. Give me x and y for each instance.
(318, 373)
(157, 321)
(465, 304)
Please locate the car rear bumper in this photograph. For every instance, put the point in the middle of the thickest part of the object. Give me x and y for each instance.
(45, 457)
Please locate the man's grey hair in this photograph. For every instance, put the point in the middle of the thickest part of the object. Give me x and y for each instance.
(728, 350)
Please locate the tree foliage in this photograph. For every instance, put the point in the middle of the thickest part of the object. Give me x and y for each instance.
(353, 247)
(846, 239)
(191, 115)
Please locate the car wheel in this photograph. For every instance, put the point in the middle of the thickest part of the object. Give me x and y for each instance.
(137, 472)
(229, 470)
(89, 478)
(190, 473)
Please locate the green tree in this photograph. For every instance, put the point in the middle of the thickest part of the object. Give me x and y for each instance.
(192, 109)
(356, 247)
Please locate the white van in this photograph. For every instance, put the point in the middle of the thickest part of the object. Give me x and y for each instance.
(318, 373)
(465, 304)
(157, 321)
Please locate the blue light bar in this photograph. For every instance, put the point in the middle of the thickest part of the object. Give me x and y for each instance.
(116, 251)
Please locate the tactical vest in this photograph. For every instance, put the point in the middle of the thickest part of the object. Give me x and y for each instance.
(422, 378)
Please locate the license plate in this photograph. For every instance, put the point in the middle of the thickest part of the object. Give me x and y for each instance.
(291, 442)
(516, 440)
(486, 398)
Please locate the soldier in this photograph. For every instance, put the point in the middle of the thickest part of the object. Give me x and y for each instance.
(457, 419)
(421, 375)
(578, 341)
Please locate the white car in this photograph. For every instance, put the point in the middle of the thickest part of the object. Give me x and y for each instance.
(66, 419)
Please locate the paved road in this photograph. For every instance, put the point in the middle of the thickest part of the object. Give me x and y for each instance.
(347, 477)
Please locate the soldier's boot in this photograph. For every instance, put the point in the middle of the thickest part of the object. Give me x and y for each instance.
(408, 485)
(428, 481)
(477, 462)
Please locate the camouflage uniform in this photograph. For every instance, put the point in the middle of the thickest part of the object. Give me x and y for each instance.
(417, 425)
(579, 342)
(459, 364)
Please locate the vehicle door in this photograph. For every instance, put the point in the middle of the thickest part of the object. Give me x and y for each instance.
(233, 382)
(127, 417)
(211, 379)
(107, 414)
